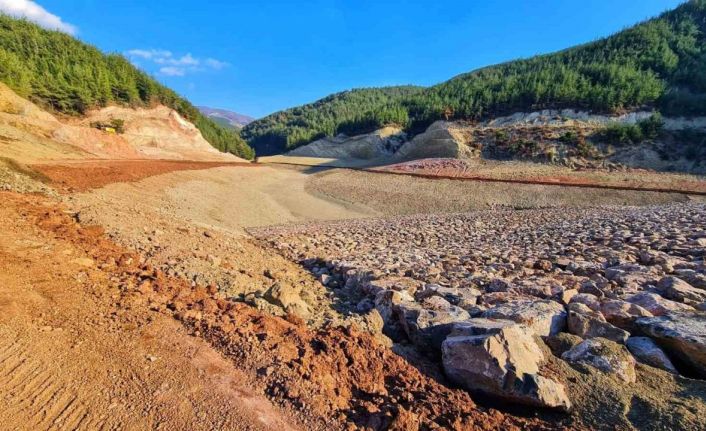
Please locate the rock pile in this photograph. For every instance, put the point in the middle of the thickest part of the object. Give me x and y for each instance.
(603, 288)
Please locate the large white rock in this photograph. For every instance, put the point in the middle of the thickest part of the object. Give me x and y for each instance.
(502, 359)
(544, 318)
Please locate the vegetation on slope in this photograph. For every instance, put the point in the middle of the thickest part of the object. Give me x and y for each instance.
(659, 64)
(348, 112)
(59, 72)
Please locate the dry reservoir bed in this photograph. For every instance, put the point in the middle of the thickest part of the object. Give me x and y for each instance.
(587, 310)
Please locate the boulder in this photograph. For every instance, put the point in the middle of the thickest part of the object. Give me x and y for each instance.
(679, 290)
(428, 327)
(622, 313)
(648, 352)
(385, 300)
(591, 301)
(542, 317)
(503, 362)
(463, 297)
(656, 304)
(288, 298)
(605, 355)
(586, 326)
(682, 334)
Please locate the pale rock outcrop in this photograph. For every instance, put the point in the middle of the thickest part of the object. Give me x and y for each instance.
(648, 352)
(381, 143)
(683, 334)
(605, 355)
(544, 318)
(502, 359)
(441, 139)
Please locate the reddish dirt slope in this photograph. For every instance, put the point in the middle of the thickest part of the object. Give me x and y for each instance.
(86, 175)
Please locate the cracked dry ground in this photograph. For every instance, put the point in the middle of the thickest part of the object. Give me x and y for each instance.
(93, 339)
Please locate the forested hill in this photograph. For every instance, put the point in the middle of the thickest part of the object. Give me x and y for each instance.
(659, 64)
(59, 72)
(346, 112)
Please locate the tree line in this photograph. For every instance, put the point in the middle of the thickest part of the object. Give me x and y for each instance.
(61, 73)
(659, 64)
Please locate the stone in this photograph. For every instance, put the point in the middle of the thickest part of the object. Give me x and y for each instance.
(605, 355)
(542, 317)
(622, 313)
(288, 298)
(463, 297)
(566, 295)
(503, 362)
(583, 309)
(679, 290)
(680, 333)
(385, 300)
(586, 326)
(427, 328)
(591, 301)
(648, 352)
(656, 304)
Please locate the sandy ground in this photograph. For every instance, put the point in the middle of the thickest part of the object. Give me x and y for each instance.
(399, 194)
(232, 198)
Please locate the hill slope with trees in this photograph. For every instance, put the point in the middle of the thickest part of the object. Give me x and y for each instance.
(59, 72)
(659, 64)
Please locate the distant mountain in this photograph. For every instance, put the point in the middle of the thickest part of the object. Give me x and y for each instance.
(659, 64)
(226, 118)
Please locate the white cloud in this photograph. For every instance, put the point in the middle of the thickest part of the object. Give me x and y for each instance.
(216, 64)
(35, 13)
(174, 65)
(148, 54)
(172, 71)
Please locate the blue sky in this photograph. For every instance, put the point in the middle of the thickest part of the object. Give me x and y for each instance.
(257, 57)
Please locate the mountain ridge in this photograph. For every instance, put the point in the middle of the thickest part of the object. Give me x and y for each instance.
(226, 117)
(657, 64)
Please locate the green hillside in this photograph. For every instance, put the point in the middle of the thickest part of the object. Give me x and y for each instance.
(346, 112)
(61, 73)
(659, 64)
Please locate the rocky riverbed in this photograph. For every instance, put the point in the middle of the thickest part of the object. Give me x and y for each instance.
(491, 294)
